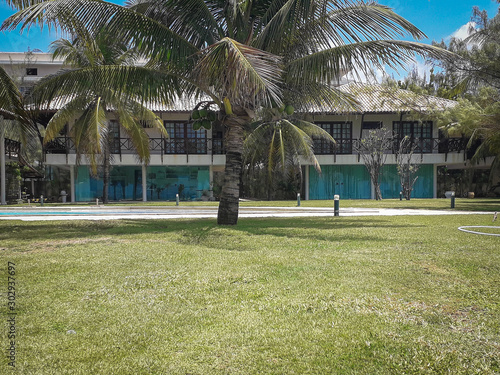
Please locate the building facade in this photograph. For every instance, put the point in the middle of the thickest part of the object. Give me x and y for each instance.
(188, 161)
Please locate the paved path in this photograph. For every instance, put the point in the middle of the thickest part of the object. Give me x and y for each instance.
(193, 212)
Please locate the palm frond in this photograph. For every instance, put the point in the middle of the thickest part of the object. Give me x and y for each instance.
(10, 97)
(64, 116)
(133, 81)
(245, 75)
(86, 18)
(283, 19)
(193, 19)
(89, 132)
(137, 134)
(326, 66)
(318, 97)
(281, 143)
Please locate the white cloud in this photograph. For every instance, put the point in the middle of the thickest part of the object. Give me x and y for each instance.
(373, 76)
(463, 32)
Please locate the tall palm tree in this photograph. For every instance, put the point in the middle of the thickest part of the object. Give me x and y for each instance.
(90, 130)
(244, 55)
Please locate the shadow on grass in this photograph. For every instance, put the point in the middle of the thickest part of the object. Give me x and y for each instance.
(204, 232)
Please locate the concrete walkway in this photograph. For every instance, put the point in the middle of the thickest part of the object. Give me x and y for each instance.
(192, 212)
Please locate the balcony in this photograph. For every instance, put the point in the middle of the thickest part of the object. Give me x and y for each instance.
(215, 146)
(157, 146)
(422, 146)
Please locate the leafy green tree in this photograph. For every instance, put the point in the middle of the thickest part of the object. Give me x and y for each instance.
(90, 129)
(477, 115)
(244, 55)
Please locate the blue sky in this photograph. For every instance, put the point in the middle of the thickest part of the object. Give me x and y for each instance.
(439, 19)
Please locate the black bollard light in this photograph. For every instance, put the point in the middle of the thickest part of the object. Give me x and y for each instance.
(336, 205)
(298, 199)
(452, 199)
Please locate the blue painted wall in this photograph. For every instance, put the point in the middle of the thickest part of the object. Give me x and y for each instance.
(423, 188)
(348, 181)
(163, 183)
(353, 182)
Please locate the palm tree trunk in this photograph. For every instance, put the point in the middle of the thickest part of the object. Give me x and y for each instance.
(230, 195)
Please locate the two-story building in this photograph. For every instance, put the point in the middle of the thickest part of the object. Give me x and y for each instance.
(187, 161)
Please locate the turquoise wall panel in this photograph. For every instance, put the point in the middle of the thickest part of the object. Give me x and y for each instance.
(162, 183)
(353, 182)
(423, 188)
(348, 181)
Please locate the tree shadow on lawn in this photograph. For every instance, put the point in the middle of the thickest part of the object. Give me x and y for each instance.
(203, 232)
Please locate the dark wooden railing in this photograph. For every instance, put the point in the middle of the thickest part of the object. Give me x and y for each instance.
(422, 145)
(215, 146)
(200, 146)
(12, 147)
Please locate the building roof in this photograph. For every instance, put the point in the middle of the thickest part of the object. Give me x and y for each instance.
(372, 98)
(376, 98)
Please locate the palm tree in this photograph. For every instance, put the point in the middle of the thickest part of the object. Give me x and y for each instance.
(244, 55)
(277, 145)
(90, 130)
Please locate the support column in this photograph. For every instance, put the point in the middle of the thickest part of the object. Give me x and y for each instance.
(306, 182)
(211, 181)
(144, 183)
(434, 181)
(72, 182)
(2, 162)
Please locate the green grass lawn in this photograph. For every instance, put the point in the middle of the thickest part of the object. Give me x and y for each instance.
(480, 204)
(345, 295)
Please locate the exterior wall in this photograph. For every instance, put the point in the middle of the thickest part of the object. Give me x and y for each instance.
(346, 175)
(13, 61)
(424, 186)
(163, 183)
(348, 181)
(343, 174)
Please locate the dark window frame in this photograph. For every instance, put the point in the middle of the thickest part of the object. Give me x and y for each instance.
(420, 133)
(341, 131)
(183, 139)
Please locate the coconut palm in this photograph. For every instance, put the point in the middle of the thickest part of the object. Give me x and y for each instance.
(90, 129)
(278, 144)
(244, 55)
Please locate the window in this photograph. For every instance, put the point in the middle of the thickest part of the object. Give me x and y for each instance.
(25, 90)
(31, 71)
(114, 137)
(419, 132)
(341, 132)
(184, 140)
(372, 125)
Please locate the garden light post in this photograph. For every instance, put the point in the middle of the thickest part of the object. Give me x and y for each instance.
(336, 205)
(452, 199)
(298, 199)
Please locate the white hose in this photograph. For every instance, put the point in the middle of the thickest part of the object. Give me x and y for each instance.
(479, 226)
